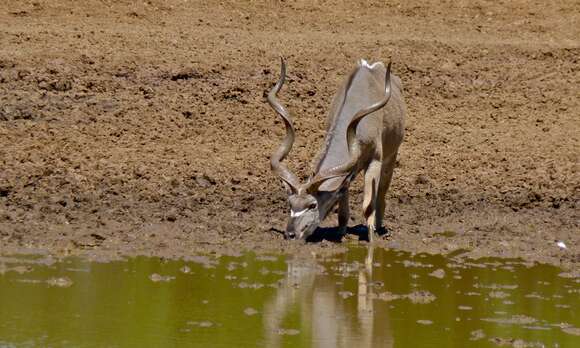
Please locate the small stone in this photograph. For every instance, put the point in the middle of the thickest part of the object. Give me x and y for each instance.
(438, 273)
(572, 331)
(21, 269)
(424, 322)
(204, 323)
(63, 282)
(421, 297)
(244, 285)
(250, 311)
(498, 294)
(61, 85)
(514, 320)
(205, 181)
(289, 332)
(160, 278)
(171, 216)
(345, 294)
(422, 179)
(477, 335)
(388, 296)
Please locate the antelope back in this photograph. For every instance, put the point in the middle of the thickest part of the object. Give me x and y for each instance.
(365, 86)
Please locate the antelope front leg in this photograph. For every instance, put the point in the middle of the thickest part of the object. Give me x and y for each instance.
(343, 213)
(372, 183)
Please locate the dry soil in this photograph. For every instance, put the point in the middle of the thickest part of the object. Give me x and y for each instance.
(142, 128)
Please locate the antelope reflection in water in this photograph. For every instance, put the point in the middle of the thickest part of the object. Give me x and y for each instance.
(330, 320)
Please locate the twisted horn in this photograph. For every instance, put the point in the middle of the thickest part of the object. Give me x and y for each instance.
(278, 156)
(353, 145)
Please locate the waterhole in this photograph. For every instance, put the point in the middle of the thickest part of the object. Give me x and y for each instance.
(364, 298)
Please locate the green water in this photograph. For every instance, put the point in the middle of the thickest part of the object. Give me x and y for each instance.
(357, 299)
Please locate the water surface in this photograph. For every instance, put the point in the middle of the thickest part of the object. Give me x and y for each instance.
(364, 298)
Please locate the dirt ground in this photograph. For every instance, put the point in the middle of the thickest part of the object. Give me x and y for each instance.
(142, 127)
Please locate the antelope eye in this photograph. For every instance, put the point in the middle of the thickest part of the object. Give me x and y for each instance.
(312, 206)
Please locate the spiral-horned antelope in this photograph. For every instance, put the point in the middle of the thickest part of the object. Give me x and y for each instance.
(365, 128)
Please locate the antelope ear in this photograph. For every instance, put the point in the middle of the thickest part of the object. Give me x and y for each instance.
(332, 184)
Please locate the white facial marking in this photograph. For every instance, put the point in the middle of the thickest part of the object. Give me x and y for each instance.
(297, 213)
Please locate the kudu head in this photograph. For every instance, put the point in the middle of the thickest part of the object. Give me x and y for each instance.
(305, 199)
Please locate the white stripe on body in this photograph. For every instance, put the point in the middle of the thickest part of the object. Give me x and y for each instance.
(367, 65)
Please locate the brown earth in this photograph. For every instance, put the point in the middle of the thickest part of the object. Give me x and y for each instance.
(143, 129)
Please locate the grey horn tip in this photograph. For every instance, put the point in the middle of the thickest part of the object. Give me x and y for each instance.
(283, 65)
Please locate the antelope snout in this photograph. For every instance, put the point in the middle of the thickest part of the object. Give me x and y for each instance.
(299, 230)
(290, 230)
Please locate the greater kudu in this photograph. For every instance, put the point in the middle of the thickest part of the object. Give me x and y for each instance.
(364, 130)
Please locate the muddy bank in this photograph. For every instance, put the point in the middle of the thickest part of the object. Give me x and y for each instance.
(143, 129)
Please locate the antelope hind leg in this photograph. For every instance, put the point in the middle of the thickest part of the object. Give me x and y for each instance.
(372, 183)
(386, 177)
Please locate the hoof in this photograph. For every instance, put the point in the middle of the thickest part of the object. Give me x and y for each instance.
(384, 232)
(376, 234)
